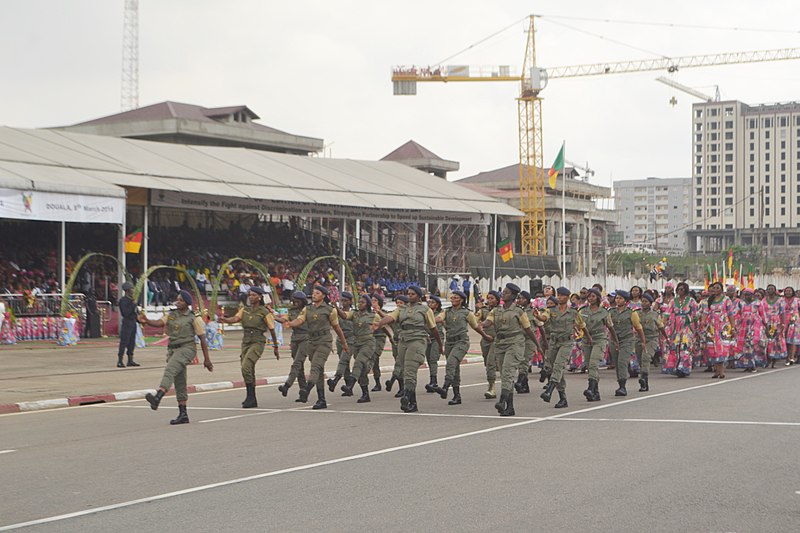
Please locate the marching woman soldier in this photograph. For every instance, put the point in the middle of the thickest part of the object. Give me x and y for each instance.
(380, 343)
(256, 319)
(564, 319)
(626, 320)
(455, 320)
(182, 327)
(397, 371)
(413, 320)
(363, 346)
(524, 301)
(487, 347)
(432, 354)
(512, 326)
(320, 317)
(343, 368)
(298, 344)
(653, 328)
(598, 321)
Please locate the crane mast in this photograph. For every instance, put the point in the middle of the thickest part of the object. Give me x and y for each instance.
(531, 159)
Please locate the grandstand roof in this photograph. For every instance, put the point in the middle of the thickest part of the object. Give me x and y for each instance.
(59, 161)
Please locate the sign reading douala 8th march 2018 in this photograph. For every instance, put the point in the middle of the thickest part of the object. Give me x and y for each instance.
(281, 207)
(58, 207)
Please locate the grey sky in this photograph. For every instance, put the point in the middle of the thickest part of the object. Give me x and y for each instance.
(322, 68)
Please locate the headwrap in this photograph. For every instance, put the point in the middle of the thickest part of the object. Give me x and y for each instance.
(186, 297)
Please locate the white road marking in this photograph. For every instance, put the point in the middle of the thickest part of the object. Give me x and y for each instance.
(441, 415)
(685, 421)
(7, 451)
(374, 453)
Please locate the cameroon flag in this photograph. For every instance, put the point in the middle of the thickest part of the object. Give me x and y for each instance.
(133, 242)
(558, 166)
(505, 250)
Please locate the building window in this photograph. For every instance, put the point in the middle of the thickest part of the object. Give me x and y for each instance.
(713, 112)
(728, 179)
(729, 190)
(698, 113)
(712, 212)
(782, 122)
(729, 124)
(753, 212)
(767, 122)
(728, 135)
(699, 202)
(728, 201)
(700, 213)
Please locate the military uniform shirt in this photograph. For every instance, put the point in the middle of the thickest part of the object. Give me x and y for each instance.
(597, 322)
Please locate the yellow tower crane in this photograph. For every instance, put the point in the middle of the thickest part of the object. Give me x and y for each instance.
(532, 81)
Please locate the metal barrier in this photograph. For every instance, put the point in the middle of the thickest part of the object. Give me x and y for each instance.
(47, 304)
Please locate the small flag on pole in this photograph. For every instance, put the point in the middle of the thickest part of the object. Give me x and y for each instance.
(133, 242)
(558, 166)
(505, 250)
(730, 259)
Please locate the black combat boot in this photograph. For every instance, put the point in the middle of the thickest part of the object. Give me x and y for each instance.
(182, 418)
(524, 388)
(120, 364)
(548, 391)
(644, 384)
(411, 402)
(621, 390)
(544, 375)
(589, 392)
(399, 393)
(332, 382)
(377, 386)
(500, 404)
(304, 392)
(518, 383)
(131, 362)
(284, 388)
(433, 385)
(389, 383)
(250, 401)
(154, 400)
(347, 388)
(442, 391)
(509, 410)
(596, 390)
(364, 394)
(562, 400)
(456, 396)
(321, 403)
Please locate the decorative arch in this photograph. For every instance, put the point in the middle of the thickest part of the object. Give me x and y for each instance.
(215, 289)
(137, 291)
(348, 272)
(74, 276)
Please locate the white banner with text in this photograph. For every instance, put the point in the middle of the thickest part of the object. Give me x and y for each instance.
(58, 207)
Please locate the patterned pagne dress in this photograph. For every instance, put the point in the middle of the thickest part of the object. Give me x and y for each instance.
(792, 330)
(681, 318)
(773, 315)
(715, 329)
(749, 348)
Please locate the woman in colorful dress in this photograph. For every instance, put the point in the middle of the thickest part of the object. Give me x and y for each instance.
(749, 350)
(792, 324)
(681, 317)
(716, 318)
(773, 311)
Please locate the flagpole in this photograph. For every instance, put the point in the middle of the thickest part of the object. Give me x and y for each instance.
(494, 256)
(564, 214)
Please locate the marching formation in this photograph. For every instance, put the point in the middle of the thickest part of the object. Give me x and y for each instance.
(556, 331)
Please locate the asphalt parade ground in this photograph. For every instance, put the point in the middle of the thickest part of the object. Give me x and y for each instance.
(693, 454)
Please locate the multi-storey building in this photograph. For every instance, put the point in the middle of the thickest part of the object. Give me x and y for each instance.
(654, 213)
(745, 176)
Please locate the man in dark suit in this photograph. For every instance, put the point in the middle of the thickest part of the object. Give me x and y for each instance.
(127, 331)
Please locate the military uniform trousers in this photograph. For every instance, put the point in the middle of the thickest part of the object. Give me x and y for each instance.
(432, 356)
(251, 353)
(343, 368)
(455, 349)
(510, 354)
(299, 354)
(594, 354)
(375, 362)
(175, 371)
(411, 355)
(558, 353)
(397, 371)
(362, 361)
(646, 355)
(318, 351)
(620, 358)
(489, 360)
(530, 349)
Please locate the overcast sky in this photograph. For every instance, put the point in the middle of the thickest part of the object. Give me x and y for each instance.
(322, 69)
